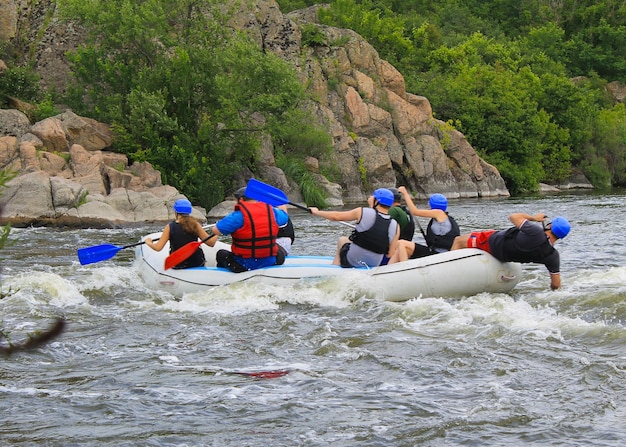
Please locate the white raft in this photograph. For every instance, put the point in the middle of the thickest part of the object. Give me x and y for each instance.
(457, 273)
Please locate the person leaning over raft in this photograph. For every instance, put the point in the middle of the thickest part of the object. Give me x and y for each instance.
(183, 230)
(375, 236)
(403, 216)
(440, 233)
(524, 242)
(253, 227)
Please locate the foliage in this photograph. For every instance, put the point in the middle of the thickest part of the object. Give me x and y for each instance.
(21, 83)
(312, 36)
(294, 168)
(183, 91)
(502, 72)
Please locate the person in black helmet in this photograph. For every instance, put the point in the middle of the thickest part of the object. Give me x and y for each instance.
(253, 226)
(402, 215)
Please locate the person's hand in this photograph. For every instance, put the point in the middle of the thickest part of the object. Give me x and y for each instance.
(402, 190)
(313, 210)
(540, 217)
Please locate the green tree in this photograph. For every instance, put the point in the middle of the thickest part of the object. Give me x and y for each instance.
(182, 89)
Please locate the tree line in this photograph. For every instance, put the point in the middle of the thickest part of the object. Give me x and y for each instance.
(523, 80)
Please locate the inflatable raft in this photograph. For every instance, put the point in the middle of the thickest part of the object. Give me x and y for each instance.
(457, 273)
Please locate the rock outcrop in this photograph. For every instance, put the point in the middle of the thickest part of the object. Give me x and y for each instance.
(66, 176)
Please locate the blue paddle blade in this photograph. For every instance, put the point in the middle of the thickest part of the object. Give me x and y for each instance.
(97, 253)
(257, 190)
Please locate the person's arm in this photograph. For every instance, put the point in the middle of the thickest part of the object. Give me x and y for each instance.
(555, 281)
(203, 235)
(438, 215)
(165, 237)
(281, 216)
(518, 219)
(354, 214)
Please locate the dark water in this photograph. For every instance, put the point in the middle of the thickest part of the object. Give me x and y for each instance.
(137, 367)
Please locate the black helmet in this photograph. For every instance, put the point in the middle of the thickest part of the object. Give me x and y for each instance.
(241, 192)
(397, 197)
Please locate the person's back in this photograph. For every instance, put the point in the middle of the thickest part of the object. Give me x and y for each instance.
(183, 230)
(371, 238)
(253, 227)
(376, 234)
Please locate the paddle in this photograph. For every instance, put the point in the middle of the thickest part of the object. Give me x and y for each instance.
(184, 252)
(257, 190)
(97, 253)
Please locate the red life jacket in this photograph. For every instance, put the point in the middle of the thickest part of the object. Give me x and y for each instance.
(257, 237)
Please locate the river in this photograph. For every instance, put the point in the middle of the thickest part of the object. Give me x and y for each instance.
(137, 367)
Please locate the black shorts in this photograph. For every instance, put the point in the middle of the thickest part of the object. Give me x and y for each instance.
(420, 251)
(226, 259)
(343, 255)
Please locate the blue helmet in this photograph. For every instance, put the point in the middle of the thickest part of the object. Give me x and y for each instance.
(560, 227)
(384, 196)
(182, 206)
(438, 202)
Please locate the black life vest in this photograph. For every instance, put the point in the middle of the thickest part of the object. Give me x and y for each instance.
(511, 251)
(408, 231)
(445, 241)
(376, 238)
(287, 231)
(178, 238)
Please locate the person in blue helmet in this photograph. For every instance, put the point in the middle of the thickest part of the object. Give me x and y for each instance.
(181, 231)
(524, 242)
(440, 234)
(375, 236)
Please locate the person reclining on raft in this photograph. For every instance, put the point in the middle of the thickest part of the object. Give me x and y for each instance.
(253, 227)
(180, 232)
(376, 234)
(440, 234)
(524, 242)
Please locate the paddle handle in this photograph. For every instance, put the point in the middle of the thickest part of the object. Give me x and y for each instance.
(300, 206)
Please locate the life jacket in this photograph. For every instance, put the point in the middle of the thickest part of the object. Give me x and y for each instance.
(511, 251)
(287, 231)
(257, 237)
(408, 231)
(375, 238)
(444, 241)
(178, 238)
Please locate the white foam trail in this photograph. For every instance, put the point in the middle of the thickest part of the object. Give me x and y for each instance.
(37, 287)
(252, 297)
(483, 312)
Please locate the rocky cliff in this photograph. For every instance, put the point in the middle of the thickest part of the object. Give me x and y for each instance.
(382, 135)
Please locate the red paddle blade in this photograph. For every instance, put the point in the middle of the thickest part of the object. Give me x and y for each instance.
(264, 374)
(181, 254)
(184, 252)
